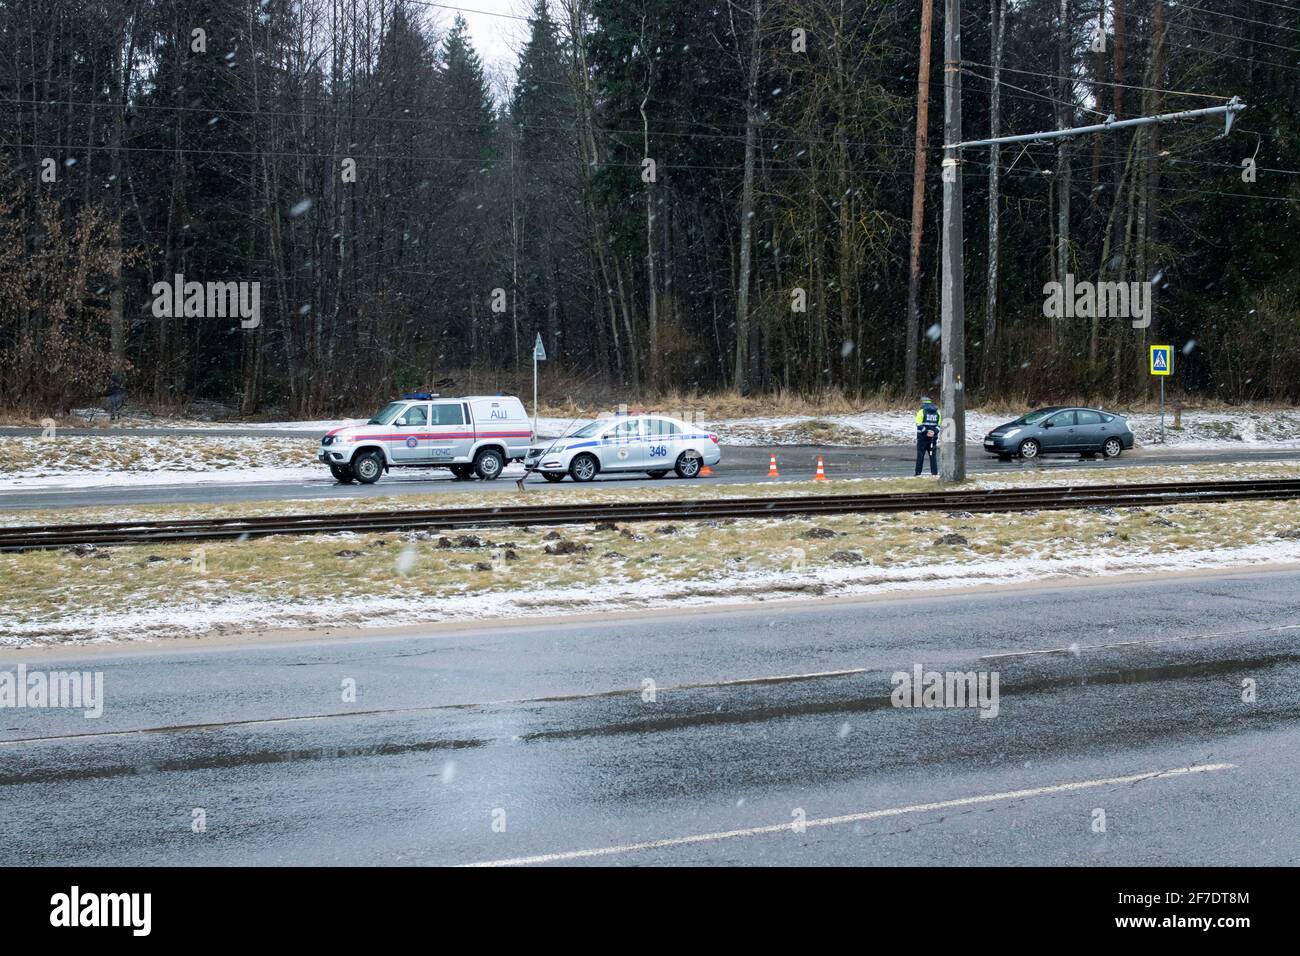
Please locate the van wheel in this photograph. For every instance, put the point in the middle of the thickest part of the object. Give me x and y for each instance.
(488, 464)
(367, 467)
(462, 472)
(583, 468)
(342, 474)
(688, 465)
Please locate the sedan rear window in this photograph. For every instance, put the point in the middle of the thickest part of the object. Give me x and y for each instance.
(659, 426)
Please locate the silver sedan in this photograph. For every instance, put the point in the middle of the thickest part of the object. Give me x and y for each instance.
(654, 444)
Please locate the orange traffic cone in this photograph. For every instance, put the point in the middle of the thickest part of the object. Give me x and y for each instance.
(706, 471)
(771, 469)
(821, 470)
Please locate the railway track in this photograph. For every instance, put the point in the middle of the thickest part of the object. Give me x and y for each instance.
(27, 538)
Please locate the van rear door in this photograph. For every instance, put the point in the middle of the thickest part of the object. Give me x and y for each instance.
(503, 419)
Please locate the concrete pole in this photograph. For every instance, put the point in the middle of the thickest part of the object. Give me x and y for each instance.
(952, 433)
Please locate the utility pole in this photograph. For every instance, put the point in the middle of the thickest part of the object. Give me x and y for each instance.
(952, 433)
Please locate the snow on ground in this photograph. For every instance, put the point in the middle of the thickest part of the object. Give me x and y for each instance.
(248, 614)
(1200, 430)
(125, 459)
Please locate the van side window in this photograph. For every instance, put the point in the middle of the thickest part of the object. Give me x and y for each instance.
(448, 414)
(415, 415)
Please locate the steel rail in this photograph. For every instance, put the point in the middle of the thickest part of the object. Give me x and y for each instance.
(22, 538)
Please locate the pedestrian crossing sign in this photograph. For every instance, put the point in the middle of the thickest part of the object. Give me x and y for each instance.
(1162, 360)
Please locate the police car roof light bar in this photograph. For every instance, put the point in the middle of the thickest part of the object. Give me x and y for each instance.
(419, 396)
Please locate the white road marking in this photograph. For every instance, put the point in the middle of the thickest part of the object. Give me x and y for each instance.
(851, 817)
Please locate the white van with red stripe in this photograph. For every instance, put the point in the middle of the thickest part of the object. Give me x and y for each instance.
(475, 435)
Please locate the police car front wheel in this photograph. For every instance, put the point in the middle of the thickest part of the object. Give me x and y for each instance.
(583, 468)
(367, 467)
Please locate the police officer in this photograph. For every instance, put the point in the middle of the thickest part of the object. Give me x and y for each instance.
(927, 435)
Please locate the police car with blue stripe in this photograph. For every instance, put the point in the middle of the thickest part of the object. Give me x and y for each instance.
(653, 444)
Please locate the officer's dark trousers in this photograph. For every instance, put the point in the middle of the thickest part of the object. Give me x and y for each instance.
(925, 446)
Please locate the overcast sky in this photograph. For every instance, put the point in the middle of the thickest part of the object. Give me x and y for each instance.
(497, 35)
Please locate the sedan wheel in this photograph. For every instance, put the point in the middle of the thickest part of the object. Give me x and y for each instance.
(368, 466)
(688, 465)
(1029, 448)
(1112, 448)
(583, 468)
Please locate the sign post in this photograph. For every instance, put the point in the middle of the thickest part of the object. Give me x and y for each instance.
(1162, 366)
(539, 355)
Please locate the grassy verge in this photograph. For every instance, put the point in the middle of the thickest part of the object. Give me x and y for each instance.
(372, 579)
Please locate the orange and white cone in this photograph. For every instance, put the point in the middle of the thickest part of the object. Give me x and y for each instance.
(771, 469)
(821, 470)
(706, 471)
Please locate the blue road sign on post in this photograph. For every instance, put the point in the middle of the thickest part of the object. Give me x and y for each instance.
(1162, 365)
(1162, 360)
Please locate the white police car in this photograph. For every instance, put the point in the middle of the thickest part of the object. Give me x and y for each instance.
(654, 444)
(475, 435)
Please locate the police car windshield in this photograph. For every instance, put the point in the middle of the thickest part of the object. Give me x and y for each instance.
(387, 413)
(589, 429)
(1033, 418)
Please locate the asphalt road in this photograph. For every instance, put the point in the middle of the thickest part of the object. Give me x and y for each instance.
(768, 739)
(739, 463)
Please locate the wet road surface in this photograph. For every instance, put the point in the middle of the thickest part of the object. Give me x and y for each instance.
(761, 735)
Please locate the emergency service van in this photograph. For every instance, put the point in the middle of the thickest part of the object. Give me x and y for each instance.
(474, 435)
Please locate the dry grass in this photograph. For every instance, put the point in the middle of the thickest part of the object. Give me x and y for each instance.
(162, 590)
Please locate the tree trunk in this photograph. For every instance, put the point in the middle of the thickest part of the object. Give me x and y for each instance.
(743, 374)
(913, 330)
(997, 18)
(1065, 119)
